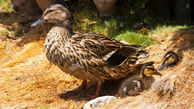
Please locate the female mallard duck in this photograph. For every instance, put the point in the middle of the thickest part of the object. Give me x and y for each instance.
(170, 59)
(133, 85)
(87, 56)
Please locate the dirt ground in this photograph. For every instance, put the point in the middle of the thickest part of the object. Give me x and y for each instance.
(29, 81)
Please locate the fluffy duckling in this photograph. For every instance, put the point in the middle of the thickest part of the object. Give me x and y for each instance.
(134, 85)
(87, 56)
(170, 59)
(165, 85)
(131, 87)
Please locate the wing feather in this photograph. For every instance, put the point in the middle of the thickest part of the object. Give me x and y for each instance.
(104, 49)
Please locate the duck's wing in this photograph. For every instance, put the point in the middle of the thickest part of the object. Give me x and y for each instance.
(108, 50)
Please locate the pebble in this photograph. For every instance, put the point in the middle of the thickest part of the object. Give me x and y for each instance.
(100, 101)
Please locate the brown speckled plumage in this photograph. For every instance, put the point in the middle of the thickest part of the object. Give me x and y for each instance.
(82, 55)
(85, 55)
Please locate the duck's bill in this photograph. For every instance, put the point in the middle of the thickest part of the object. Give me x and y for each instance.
(38, 22)
(157, 73)
(162, 66)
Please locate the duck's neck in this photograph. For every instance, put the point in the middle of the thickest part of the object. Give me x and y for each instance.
(66, 24)
(142, 74)
(140, 69)
(61, 31)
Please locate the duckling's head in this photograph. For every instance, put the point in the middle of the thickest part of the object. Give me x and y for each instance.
(169, 59)
(149, 70)
(131, 87)
(55, 14)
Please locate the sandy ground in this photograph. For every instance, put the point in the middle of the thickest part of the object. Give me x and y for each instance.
(29, 81)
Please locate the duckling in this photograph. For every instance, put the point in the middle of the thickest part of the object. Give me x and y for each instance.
(86, 55)
(131, 87)
(134, 85)
(170, 59)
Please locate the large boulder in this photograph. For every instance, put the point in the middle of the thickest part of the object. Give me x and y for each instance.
(33, 7)
(43, 4)
(105, 7)
(29, 7)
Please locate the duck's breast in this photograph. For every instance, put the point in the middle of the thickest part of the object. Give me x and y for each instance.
(66, 58)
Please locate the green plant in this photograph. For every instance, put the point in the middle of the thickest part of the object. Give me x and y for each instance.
(136, 38)
(5, 6)
(12, 33)
(4, 33)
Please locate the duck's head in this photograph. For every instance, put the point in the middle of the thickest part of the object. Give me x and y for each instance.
(56, 14)
(169, 59)
(149, 70)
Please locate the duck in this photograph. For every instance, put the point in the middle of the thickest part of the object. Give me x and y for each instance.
(132, 86)
(169, 59)
(85, 55)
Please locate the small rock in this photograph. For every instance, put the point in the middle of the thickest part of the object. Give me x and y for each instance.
(100, 101)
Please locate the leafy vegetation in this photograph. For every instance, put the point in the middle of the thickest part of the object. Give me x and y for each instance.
(130, 29)
(136, 38)
(5, 6)
(121, 29)
(12, 33)
(165, 28)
